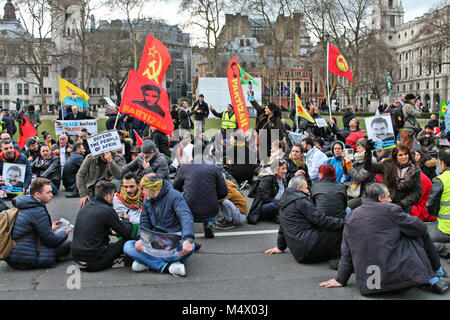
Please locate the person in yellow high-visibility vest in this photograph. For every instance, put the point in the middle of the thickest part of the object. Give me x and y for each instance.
(439, 205)
(228, 119)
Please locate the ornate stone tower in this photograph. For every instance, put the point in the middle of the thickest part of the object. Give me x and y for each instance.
(386, 17)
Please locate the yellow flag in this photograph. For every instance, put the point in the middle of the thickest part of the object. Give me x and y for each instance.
(301, 112)
(71, 95)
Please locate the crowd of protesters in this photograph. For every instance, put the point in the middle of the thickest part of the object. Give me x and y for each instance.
(333, 196)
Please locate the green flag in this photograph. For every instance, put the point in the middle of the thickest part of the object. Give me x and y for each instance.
(443, 108)
(245, 77)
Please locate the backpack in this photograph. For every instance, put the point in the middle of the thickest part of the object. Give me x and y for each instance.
(7, 218)
(398, 118)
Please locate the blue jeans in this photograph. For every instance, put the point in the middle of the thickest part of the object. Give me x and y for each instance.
(54, 189)
(231, 213)
(269, 210)
(155, 263)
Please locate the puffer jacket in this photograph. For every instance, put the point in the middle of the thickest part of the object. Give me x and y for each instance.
(168, 213)
(420, 208)
(71, 168)
(411, 114)
(330, 197)
(50, 169)
(33, 219)
(301, 223)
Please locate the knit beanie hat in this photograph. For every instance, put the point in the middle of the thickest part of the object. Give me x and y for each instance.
(148, 146)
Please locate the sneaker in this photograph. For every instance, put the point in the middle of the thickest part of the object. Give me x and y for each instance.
(138, 267)
(177, 269)
(198, 245)
(209, 231)
(440, 287)
(224, 225)
(244, 185)
(73, 194)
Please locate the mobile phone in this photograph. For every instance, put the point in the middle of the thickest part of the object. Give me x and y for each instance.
(350, 153)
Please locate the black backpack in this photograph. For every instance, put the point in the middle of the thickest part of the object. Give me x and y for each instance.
(398, 118)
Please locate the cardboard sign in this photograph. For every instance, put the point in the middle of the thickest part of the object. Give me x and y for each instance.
(321, 122)
(106, 141)
(14, 176)
(380, 130)
(73, 127)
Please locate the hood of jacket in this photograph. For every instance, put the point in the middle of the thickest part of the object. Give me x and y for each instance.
(431, 163)
(335, 143)
(23, 202)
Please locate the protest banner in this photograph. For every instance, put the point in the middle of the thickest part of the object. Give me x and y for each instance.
(162, 245)
(321, 122)
(73, 127)
(237, 95)
(381, 131)
(14, 176)
(106, 141)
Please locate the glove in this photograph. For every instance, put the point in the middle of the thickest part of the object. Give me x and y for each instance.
(370, 145)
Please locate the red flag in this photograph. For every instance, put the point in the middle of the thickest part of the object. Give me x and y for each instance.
(155, 60)
(337, 63)
(147, 101)
(237, 95)
(27, 130)
(139, 140)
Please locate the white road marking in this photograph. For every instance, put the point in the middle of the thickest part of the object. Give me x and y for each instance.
(237, 233)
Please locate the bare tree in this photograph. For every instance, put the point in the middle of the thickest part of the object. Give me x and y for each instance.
(206, 16)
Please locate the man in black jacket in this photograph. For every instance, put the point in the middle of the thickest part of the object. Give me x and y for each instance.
(71, 168)
(201, 114)
(91, 249)
(348, 115)
(76, 115)
(185, 116)
(310, 235)
(48, 166)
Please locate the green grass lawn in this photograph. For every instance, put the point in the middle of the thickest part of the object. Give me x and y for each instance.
(48, 125)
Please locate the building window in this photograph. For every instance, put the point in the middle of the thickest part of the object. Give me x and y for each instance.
(418, 86)
(437, 84)
(421, 52)
(6, 89)
(306, 87)
(46, 71)
(392, 21)
(406, 56)
(406, 73)
(22, 72)
(26, 90)
(316, 86)
(69, 73)
(19, 89)
(428, 85)
(3, 72)
(390, 4)
(241, 42)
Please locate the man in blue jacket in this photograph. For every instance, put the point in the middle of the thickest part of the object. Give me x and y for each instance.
(165, 212)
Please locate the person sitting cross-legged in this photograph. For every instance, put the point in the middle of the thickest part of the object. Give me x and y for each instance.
(91, 247)
(164, 211)
(380, 238)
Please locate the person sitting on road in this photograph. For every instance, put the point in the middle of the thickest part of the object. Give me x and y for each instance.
(296, 164)
(380, 234)
(202, 184)
(69, 176)
(314, 158)
(108, 167)
(48, 166)
(10, 155)
(91, 247)
(268, 194)
(337, 161)
(150, 160)
(310, 235)
(426, 163)
(33, 149)
(62, 149)
(234, 208)
(39, 244)
(329, 195)
(164, 211)
(427, 139)
(130, 200)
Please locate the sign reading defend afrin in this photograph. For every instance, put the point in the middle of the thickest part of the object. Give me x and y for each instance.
(73, 127)
(104, 142)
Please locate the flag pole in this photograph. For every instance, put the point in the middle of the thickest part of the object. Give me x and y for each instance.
(117, 118)
(328, 82)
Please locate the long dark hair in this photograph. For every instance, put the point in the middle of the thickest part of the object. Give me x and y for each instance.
(392, 171)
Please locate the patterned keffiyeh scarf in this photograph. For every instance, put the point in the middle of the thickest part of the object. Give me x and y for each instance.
(405, 175)
(298, 162)
(135, 202)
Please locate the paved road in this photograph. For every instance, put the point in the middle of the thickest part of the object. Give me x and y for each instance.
(230, 266)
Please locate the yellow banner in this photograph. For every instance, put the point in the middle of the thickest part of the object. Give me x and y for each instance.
(301, 112)
(71, 95)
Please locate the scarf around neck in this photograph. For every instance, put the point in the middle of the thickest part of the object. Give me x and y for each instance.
(404, 176)
(298, 162)
(134, 202)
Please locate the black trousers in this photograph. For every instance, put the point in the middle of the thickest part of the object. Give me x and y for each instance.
(103, 260)
(328, 246)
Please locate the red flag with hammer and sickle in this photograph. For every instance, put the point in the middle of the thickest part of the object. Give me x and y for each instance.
(147, 101)
(155, 60)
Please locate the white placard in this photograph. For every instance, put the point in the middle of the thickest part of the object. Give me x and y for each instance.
(380, 130)
(73, 127)
(14, 176)
(104, 142)
(110, 102)
(321, 122)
